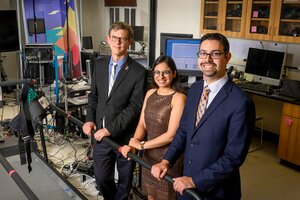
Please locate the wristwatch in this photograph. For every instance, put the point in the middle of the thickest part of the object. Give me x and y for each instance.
(142, 143)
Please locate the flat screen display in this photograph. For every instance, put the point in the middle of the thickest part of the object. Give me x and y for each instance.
(184, 53)
(164, 36)
(9, 37)
(138, 33)
(87, 42)
(39, 24)
(265, 66)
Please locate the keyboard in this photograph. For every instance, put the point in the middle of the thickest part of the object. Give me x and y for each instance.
(254, 86)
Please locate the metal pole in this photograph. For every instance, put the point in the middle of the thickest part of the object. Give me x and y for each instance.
(134, 157)
(19, 181)
(40, 126)
(16, 82)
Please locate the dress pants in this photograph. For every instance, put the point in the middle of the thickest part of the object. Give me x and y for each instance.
(105, 159)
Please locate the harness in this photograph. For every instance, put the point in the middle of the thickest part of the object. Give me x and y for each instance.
(23, 126)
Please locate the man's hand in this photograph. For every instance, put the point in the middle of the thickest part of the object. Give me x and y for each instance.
(159, 170)
(88, 127)
(182, 183)
(101, 133)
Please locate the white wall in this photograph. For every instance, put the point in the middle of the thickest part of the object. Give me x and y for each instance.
(93, 13)
(177, 16)
(95, 19)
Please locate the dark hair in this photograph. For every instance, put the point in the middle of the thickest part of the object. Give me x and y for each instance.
(170, 62)
(219, 37)
(121, 26)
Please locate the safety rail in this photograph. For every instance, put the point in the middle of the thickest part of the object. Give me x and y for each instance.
(114, 145)
(18, 180)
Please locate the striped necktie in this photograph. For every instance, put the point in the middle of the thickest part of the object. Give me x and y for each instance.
(112, 76)
(202, 104)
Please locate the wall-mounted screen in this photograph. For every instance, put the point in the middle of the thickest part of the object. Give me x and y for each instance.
(9, 37)
(36, 26)
(184, 53)
(265, 66)
(164, 36)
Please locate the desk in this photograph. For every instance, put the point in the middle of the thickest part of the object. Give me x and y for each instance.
(274, 96)
(270, 108)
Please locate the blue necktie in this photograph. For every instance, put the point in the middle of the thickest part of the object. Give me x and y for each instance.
(112, 76)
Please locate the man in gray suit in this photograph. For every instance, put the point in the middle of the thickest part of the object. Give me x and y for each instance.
(117, 91)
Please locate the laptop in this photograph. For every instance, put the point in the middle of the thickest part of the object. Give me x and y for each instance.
(291, 88)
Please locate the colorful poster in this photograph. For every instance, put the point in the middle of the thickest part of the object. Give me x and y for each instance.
(60, 28)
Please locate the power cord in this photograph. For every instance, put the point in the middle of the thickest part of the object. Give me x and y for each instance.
(69, 169)
(86, 184)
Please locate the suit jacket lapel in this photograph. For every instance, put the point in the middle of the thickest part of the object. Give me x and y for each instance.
(195, 103)
(103, 76)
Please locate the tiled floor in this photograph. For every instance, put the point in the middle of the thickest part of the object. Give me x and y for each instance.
(263, 177)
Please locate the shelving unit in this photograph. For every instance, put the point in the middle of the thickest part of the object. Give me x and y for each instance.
(222, 16)
(274, 20)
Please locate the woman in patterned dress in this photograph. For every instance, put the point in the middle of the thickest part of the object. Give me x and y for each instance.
(161, 113)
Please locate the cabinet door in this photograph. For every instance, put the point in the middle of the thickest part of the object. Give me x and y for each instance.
(287, 21)
(225, 16)
(289, 142)
(210, 16)
(234, 18)
(260, 19)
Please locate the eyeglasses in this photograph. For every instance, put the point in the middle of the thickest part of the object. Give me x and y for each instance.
(117, 39)
(158, 73)
(214, 54)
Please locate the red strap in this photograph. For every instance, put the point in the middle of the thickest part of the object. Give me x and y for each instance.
(11, 172)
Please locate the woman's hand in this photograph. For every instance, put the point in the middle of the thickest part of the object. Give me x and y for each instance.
(125, 149)
(135, 143)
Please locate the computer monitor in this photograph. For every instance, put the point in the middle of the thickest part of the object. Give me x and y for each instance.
(87, 56)
(39, 25)
(184, 53)
(9, 36)
(138, 33)
(164, 36)
(265, 66)
(87, 42)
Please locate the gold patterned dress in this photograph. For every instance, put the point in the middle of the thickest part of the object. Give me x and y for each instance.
(157, 114)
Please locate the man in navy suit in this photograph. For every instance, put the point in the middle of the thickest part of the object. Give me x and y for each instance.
(117, 92)
(217, 146)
